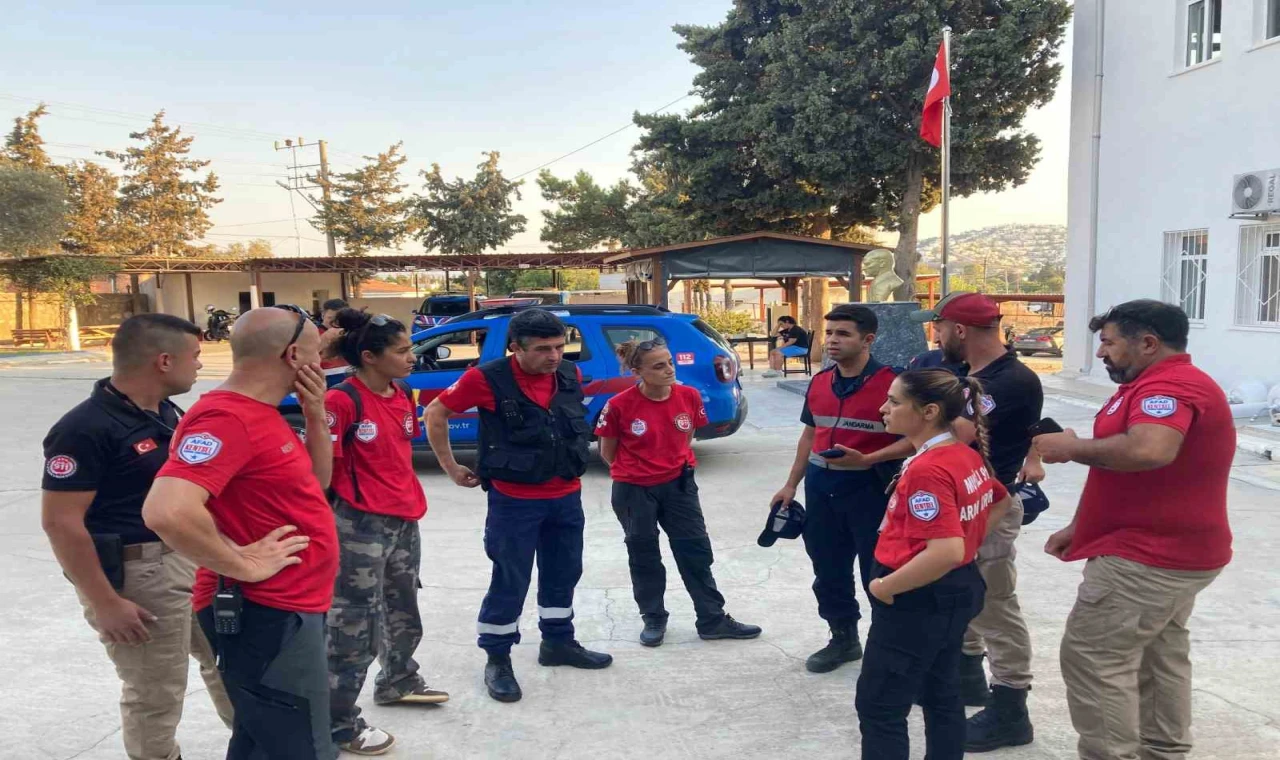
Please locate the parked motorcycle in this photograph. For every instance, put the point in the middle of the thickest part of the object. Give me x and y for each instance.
(218, 325)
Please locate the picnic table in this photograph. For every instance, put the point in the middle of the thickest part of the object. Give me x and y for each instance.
(41, 336)
(751, 341)
(98, 333)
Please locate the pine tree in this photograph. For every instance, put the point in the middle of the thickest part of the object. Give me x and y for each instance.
(92, 204)
(468, 216)
(162, 209)
(24, 144)
(811, 112)
(365, 210)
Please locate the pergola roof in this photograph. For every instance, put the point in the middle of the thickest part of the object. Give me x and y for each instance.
(757, 254)
(391, 263)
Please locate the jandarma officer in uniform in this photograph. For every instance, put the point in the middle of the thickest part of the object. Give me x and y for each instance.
(845, 491)
(100, 461)
(533, 449)
(967, 326)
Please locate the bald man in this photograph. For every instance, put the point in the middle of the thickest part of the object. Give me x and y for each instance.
(241, 498)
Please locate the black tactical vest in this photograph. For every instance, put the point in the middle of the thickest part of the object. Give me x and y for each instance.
(520, 442)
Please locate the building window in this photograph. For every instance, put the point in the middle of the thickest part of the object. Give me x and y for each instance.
(1258, 286)
(1186, 265)
(1204, 30)
(1273, 19)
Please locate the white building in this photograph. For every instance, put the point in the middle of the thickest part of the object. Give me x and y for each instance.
(1189, 98)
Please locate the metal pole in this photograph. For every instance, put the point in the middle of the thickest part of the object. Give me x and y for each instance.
(946, 166)
(324, 188)
(1095, 165)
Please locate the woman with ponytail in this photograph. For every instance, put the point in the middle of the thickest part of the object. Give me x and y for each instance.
(926, 587)
(377, 503)
(644, 433)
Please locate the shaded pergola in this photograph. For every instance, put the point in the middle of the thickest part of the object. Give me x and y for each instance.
(769, 256)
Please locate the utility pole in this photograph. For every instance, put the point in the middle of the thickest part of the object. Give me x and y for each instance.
(324, 189)
(300, 181)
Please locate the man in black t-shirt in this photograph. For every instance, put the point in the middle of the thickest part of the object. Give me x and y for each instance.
(100, 461)
(968, 329)
(793, 341)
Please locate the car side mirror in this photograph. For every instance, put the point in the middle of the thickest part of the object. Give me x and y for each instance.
(443, 352)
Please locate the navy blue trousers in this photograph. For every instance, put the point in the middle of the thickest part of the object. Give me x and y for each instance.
(515, 532)
(843, 511)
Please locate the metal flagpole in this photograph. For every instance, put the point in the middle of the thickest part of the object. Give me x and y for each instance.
(946, 166)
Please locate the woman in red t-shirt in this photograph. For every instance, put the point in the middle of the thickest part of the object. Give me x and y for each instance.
(926, 587)
(377, 502)
(644, 433)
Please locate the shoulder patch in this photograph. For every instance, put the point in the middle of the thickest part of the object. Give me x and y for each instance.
(330, 419)
(1159, 406)
(988, 404)
(924, 506)
(61, 466)
(198, 448)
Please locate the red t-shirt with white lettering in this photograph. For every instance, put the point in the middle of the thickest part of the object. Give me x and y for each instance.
(381, 451)
(945, 492)
(653, 436)
(472, 391)
(1174, 517)
(259, 478)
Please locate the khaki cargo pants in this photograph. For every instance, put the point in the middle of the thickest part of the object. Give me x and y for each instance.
(999, 629)
(153, 676)
(1126, 660)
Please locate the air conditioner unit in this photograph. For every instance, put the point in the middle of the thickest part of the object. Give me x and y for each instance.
(1256, 193)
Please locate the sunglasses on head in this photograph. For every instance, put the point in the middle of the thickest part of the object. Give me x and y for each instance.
(297, 332)
(649, 345)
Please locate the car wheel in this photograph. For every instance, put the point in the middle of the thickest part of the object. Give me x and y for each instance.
(1026, 353)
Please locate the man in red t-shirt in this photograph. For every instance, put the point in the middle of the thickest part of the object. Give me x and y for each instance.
(241, 498)
(533, 448)
(1152, 523)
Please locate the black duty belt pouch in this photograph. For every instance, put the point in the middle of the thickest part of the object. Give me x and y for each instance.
(110, 548)
(686, 479)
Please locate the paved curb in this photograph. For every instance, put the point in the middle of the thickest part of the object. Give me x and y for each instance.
(60, 357)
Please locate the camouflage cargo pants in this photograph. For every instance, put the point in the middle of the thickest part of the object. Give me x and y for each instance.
(374, 612)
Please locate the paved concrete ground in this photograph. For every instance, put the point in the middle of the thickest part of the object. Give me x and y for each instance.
(687, 699)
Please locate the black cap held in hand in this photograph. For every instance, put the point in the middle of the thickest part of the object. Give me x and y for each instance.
(784, 522)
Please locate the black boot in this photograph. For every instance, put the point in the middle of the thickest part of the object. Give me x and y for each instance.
(571, 653)
(500, 679)
(728, 628)
(843, 647)
(1004, 723)
(973, 681)
(655, 630)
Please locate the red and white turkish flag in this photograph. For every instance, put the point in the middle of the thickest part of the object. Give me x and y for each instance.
(939, 89)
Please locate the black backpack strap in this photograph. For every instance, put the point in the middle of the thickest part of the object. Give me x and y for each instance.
(408, 393)
(349, 434)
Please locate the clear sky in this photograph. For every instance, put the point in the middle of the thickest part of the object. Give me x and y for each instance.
(534, 80)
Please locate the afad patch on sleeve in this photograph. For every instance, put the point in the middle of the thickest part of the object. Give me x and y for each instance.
(924, 506)
(199, 448)
(1159, 406)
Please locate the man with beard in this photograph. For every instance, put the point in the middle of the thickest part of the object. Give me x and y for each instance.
(1152, 525)
(846, 459)
(967, 326)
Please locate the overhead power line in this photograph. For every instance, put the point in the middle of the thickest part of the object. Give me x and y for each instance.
(597, 141)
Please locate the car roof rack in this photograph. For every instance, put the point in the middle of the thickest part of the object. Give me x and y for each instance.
(599, 309)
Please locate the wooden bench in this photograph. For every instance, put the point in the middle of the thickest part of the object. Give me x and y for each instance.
(45, 336)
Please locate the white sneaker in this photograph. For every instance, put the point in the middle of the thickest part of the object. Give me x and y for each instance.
(771, 373)
(370, 741)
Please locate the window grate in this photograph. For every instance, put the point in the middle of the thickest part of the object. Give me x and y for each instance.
(1186, 268)
(1258, 278)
